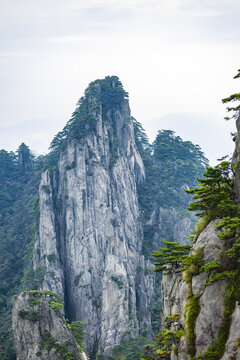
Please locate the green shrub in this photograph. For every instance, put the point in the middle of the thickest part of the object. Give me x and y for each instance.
(130, 349)
(192, 310)
(30, 315)
(171, 256)
(117, 281)
(76, 327)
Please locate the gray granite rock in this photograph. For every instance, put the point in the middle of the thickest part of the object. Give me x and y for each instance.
(40, 332)
(90, 236)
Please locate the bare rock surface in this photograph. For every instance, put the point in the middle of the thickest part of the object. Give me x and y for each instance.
(211, 301)
(232, 349)
(210, 316)
(40, 332)
(90, 236)
(210, 242)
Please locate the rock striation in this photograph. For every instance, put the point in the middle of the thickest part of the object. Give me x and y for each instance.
(93, 233)
(206, 310)
(210, 315)
(169, 224)
(40, 330)
(90, 234)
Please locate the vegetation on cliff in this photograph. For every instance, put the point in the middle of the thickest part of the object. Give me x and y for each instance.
(215, 200)
(233, 98)
(171, 166)
(170, 163)
(101, 97)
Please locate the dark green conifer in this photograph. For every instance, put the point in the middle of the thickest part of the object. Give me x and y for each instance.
(171, 256)
(214, 196)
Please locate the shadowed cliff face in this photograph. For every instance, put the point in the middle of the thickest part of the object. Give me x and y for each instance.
(90, 236)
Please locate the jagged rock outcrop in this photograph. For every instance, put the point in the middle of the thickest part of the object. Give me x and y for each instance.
(211, 297)
(90, 235)
(41, 332)
(208, 309)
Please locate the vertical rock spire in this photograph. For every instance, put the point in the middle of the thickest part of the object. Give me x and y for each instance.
(90, 233)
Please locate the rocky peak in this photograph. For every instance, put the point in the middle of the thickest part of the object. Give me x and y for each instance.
(102, 121)
(40, 330)
(90, 234)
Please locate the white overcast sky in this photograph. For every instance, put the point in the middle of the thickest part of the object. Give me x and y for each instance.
(176, 58)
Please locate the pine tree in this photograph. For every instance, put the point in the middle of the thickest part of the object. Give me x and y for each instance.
(232, 98)
(171, 256)
(214, 197)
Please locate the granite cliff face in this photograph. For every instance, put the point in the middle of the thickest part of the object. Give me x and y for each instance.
(211, 299)
(203, 309)
(211, 304)
(90, 235)
(170, 224)
(41, 331)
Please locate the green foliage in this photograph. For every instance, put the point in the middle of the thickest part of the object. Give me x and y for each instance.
(114, 147)
(54, 300)
(25, 158)
(232, 294)
(230, 227)
(56, 305)
(117, 281)
(46, 188)
(195, 258)
(32, 278)
(170, 164)
(130, 349)
(19, 182)
(100, 96)
(40, 293)
(211, 266)
(171, 256)
(191, 313)
(156, 305)
(52, 257)
(200, 226)
(192, 264)
(171, 319)
(233, 98)
(48, 343)
(166, 341)
(72, 166)
(215, 199)
(76, 327)
(30, 315)
(77, 279)
(214, 196)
